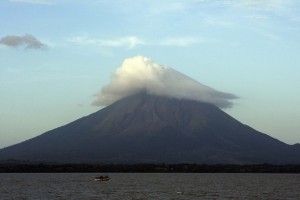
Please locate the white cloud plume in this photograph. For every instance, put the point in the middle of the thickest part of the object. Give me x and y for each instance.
(142, 74)
(29, 41)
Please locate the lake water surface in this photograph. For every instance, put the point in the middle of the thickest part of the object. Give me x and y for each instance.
(33, 186)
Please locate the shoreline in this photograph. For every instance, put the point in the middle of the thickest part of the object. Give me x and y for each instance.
(145, 168)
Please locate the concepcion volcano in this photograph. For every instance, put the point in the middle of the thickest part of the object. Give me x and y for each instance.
(146, 124)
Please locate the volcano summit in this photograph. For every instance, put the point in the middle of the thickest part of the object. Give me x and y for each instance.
(142, 125)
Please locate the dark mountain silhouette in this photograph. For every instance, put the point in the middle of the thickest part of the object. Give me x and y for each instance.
(151, 129)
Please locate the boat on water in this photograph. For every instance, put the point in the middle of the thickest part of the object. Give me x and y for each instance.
(102, 178)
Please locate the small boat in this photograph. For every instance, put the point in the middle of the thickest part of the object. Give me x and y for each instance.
(102, 178)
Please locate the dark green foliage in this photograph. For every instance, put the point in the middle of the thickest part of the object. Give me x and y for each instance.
(146, 168)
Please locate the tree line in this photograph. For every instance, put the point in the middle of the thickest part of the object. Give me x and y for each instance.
(145, 168)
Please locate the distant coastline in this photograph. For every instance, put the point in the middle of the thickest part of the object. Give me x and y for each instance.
(145, 168)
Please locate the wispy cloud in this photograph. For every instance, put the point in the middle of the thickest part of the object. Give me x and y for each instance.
(180, 41)
(264, 5)
(48, 2)
(28, 41)
(157, 8)
(271, 36)
(218, 22)
(132, 41)
(257, 17)
(149, 7)
(129, 41)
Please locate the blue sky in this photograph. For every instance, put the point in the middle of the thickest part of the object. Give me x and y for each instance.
(55, 55)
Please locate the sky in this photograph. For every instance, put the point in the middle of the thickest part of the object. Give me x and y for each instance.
(56, 55)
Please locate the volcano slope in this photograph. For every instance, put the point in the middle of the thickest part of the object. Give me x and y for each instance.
(145, 128)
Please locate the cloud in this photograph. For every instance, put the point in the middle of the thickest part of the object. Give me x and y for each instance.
(142, 74)
(133, 41)
(28, 41)
(264, 5)
(129, 42)
(219, 22)
(149, 8)
(181, 41)
(33, 1)
(257, 17)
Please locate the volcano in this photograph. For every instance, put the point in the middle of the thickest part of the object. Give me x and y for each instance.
(145, 128)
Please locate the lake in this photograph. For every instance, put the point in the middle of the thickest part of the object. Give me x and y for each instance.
(134, 186)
